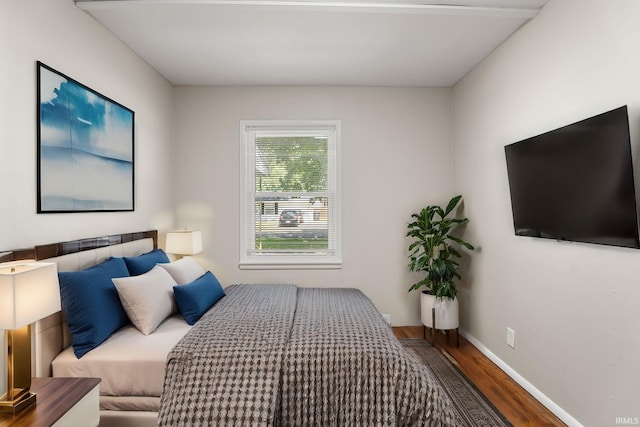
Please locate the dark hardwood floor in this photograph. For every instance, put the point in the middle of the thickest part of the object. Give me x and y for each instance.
(515, 403)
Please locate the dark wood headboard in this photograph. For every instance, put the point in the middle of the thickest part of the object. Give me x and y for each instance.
(72, 246)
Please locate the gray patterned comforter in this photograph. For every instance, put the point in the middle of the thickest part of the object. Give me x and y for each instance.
(279, 355)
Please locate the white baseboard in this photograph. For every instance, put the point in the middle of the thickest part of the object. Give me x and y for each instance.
(537, 394)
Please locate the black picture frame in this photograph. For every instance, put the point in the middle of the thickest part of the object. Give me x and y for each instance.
(86, 156)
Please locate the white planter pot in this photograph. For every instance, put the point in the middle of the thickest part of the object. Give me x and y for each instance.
(446, 312)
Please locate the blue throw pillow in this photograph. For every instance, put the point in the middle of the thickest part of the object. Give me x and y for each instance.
(142, 263)
(91, 303)
(195, 298)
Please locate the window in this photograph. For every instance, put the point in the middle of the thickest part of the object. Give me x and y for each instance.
(290, 194)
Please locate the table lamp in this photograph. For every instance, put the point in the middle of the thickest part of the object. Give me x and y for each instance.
(184, 242)
(29, 291)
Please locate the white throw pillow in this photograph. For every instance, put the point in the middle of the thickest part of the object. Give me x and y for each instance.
(185, 270)
(148, 298)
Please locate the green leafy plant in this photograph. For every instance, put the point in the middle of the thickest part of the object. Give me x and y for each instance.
(435, 250)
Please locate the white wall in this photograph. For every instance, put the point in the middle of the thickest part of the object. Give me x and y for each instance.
(396, 154)
(65, 38)
(574, 306)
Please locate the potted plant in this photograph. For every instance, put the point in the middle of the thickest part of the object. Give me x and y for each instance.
(434, 250)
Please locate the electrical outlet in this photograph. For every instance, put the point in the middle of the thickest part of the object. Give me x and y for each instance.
(511, 338)
(387, 318)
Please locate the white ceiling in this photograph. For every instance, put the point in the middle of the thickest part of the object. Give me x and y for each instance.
(313, 42)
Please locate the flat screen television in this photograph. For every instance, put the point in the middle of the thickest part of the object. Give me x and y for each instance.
(576, 183)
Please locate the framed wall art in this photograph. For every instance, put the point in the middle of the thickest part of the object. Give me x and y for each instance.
(85, 148)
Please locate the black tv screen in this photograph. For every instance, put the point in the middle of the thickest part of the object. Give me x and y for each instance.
(576, 183)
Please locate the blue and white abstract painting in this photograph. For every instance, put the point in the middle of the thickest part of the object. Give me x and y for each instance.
(85, 148)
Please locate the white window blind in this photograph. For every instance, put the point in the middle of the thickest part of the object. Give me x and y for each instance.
(290, 201)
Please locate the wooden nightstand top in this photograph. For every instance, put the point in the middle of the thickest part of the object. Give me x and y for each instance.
(54, 398)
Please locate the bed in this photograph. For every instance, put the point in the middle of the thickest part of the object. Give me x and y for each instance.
(263, 354)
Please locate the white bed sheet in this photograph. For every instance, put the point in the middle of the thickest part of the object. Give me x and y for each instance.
(129, 363)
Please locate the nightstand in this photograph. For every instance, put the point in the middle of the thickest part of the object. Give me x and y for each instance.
(61, 402)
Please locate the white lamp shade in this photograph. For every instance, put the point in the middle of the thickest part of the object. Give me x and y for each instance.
(29, 291)
(184, 242)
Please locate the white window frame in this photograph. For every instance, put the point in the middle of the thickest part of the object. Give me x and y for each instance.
(266, 260)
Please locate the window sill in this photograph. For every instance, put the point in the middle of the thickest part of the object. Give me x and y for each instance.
(249, 265)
